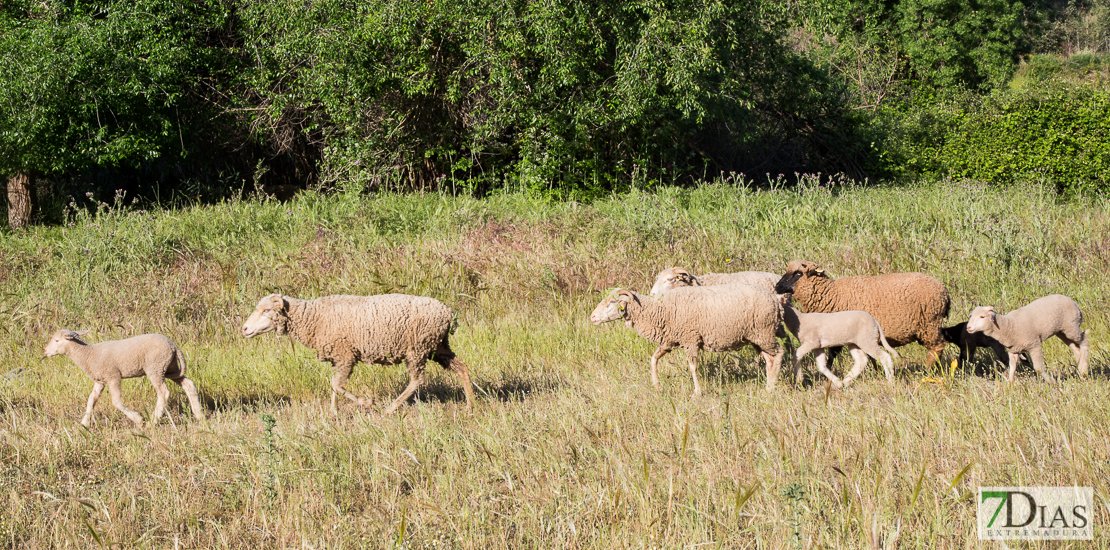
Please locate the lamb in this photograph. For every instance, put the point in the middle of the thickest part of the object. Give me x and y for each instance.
(108, 363)
(910, 307)
(384, 330)
(717, 318)
(1024, 329)
(969, 343)
(677, 277)
(855, 329)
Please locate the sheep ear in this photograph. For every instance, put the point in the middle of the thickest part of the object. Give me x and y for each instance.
(76, 333)
(819, 271)
(278, 302)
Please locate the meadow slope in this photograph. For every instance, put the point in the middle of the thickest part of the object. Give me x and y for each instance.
(568, 445)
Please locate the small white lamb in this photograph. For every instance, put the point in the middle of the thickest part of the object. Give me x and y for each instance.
(1023, 330)
(108, 363)
(856, 329)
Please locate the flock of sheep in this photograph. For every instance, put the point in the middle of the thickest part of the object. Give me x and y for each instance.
(870, 315)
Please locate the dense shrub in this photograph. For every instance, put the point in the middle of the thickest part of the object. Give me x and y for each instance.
(567, 98)
(1057, 131)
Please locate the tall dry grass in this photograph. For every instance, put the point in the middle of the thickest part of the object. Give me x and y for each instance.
(568, 445)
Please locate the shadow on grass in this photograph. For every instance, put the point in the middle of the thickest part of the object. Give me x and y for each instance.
(511, 387)
(250, 402)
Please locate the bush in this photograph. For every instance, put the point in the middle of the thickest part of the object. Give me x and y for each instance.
(569, 99)
(1058, 132)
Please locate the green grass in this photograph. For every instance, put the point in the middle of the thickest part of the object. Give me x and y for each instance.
(568, 445)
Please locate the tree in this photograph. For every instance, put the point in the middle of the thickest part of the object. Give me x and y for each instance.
(97, 85)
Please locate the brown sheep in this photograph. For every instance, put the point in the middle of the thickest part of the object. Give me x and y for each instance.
(910, 307)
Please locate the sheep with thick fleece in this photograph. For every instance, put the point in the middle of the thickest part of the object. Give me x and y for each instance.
(384, 330)
(108, 363)
(677, 277)
(855, 329)
(1023, 330)
(911, 307)
(716, 318)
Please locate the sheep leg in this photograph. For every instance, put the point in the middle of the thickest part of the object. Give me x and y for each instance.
(97, 388)
(342, 371)
(416, 378)
(799, 353)
(774, 365)
(821, 366)
(191, 392)
(659, 353)
(967, 353)
(163, 396)
(117, 400)
(1000, 354)
(1084, 351)
(888, 365)
(1037, 357)
(1012, 362)
(1078, 350)
(861, 359)
(692, 359)
(448, 360)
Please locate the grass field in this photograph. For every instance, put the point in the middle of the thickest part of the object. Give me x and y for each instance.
(568, 445)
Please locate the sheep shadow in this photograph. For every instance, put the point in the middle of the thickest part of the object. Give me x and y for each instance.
(248, 403)
(726, 368)
(510, 387)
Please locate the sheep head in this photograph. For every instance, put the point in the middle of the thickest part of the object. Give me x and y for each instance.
(673, 278)
(613, 307)
(59, 340)
(982, 318)
(796, 271)
(270, 314)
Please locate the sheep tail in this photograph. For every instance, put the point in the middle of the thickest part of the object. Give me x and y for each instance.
(882, 338)
(180, 366)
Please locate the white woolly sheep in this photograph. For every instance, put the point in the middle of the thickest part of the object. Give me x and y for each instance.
(108, 363)
(1023, 330)
(384, 330)
(910, 307)
(677, 277)
(855, 329)
(718, 318)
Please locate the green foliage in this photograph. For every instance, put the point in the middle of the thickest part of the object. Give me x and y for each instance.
(916, 44)
(1057, 131)
(568, 98)
(102, 84)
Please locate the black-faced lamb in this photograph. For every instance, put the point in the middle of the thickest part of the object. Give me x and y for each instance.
(384, 330)
(911, 307)
(677, 277)
(969, 343)
(857, 330)
(1023, 330)
(717, 318)
(108, 363)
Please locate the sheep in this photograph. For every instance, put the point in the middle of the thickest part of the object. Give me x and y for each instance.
(910, 307)
(717, 318)
(1025, 328)
(855, 329)
(677, 277)
(108, 363)
(969, 343)
(384, 329)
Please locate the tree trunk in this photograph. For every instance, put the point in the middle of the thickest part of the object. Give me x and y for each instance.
(21, 199)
